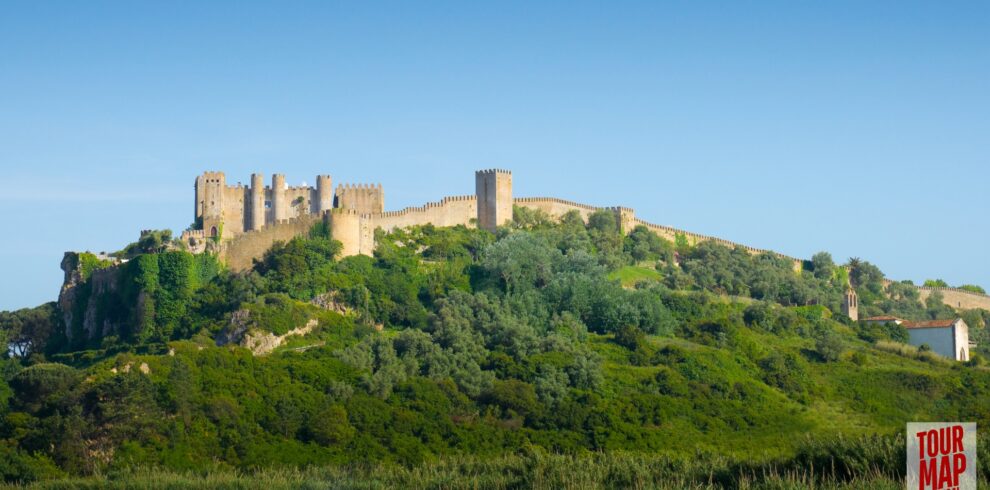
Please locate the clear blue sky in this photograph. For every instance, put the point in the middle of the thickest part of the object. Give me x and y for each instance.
(860, 128)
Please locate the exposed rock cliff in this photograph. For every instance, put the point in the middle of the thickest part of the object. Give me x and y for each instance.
(243, 331)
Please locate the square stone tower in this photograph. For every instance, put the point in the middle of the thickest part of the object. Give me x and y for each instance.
(493, 189)
(850, 304)
(210, 202)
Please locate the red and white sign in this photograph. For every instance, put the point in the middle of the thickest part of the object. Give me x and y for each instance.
(941, 456)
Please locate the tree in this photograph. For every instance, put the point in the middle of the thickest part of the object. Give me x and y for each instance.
(935, 283)
(629, 337)
(28, 330)
(822, 265)
(603, 222)
(150, 242)
(936, 307)
(521, 261)
(642, 244)
(863, 273)
(829, 346)
(515, 395)
(330, 427)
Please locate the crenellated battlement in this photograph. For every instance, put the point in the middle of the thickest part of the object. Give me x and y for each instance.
(428, 206)
(565, 202)
(345, 211)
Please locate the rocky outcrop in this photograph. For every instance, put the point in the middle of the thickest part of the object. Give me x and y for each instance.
(328, 301)
(79, 288)
(261, 343)
(243, 332)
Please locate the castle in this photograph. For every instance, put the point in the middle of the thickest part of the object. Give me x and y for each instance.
(241, 223)
(246, 221)
(228, 211)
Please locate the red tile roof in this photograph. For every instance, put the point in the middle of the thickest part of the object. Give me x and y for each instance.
(931, 324)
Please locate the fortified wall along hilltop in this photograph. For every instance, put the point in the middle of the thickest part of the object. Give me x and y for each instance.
(244, 222)
(247, 221)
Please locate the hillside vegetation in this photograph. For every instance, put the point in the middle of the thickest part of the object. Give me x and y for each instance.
(553, 353)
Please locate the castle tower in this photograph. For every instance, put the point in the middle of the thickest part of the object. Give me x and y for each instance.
(363, 198)
(626, 219)
(324, 194)
(493, 189)
(209, 202)
(345, 227)
(256, 207)
(850, 304)
(280, 208)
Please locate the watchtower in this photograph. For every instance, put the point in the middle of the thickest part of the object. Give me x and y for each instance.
(493, 189)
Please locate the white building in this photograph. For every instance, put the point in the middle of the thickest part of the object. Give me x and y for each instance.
(949, 338)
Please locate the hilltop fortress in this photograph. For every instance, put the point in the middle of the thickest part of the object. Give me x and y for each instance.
(245, 221)
(241, 223)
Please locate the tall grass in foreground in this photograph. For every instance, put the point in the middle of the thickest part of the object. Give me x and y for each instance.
(561, 473)
(863, 463)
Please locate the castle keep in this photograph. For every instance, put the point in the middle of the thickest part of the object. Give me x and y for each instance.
(224, 211)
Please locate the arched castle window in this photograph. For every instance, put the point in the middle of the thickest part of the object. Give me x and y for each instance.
(213, 231)
(962, 354)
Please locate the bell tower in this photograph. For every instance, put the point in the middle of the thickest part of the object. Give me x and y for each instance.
(850, 304)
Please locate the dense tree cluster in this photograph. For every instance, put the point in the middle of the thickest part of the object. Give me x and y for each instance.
(457, 340)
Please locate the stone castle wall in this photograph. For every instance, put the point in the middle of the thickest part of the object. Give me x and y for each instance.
(235, 200)
(554, 207)
(363, 198)
(957, 298)
(449, 211)
(695, 238)
(240, 252)
(559, 207)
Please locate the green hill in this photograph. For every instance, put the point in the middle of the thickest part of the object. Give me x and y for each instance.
(455, 352)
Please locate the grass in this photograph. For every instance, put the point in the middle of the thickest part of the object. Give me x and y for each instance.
(911, 351)
(630, 275)
(531, 469)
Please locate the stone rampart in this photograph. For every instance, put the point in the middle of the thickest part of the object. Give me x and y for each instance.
(240, 252)
(450, 211)
(558, 207)
(555, 207)
(957, 298)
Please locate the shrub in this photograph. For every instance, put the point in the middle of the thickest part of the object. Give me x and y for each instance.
(829, 346)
